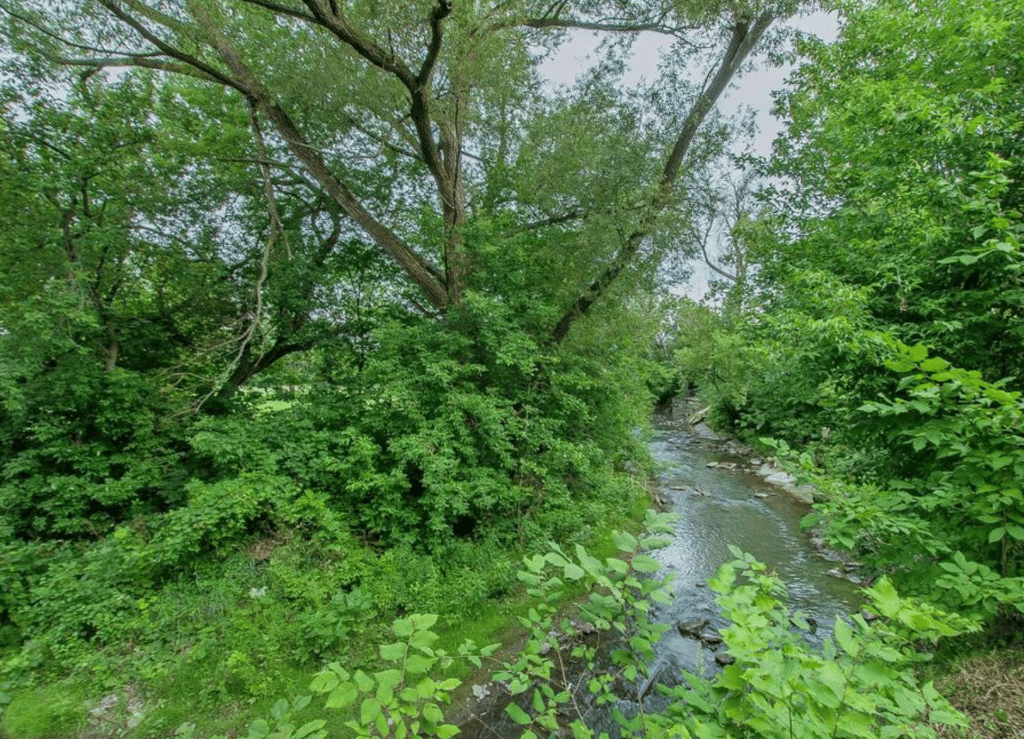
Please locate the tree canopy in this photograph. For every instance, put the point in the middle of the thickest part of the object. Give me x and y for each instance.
(422, 122)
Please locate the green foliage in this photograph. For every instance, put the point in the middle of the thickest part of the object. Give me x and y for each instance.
(621, 592)
(977, 588)
(861, 684)
(962, 437)
(42, 713)
(896, 214)
(712, 356)
(403, 699)
(949, 519)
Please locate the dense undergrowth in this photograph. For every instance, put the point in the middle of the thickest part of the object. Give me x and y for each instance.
(287, 528)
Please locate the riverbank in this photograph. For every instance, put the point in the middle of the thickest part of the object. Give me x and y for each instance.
(744, 459)
(983, 678)
(719, 501)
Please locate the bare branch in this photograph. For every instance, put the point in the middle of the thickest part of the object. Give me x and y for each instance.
(707, 260)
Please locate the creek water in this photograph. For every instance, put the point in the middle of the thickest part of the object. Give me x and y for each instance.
(719, 507)
(716, 507)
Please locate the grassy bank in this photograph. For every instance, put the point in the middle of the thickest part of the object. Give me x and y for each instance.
(207, 655)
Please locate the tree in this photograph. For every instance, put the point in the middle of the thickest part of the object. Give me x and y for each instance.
(728, 218)
(889, 156)
(439, 95)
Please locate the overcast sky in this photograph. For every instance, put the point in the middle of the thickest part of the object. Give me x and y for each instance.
(753, 90)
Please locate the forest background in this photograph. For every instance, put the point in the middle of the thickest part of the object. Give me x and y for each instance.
(319, 314)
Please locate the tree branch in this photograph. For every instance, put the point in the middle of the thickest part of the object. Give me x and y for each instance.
(418, 85)
(707, 260)
(135, 60)
(744, 37)
(416, 267)
(284, 10)
(572, 215)
(611, 27)
(114, 6)
(55, 36)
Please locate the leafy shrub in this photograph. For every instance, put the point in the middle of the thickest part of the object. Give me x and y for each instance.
(862, 683)
(961, 437)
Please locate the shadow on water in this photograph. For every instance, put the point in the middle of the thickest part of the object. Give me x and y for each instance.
(716, 508)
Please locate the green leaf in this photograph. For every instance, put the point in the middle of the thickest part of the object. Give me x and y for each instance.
(917, 353)
(810, 520)
(342, 696)
(425, 688)
(324, 682)
(417, 664)
(590, 563)
(896, 365)
(518, 715)
(393, 652)
(402, 628)
(538, 701)
(844, 638)
(447, 731)
(423, 621)
(369, 711)
(409, 694)
(363, 681)
(573, 571)
(258, 729)
(624, 541)
(647, 565)
(386, 691)
(1017, 532)
(556, 559)
(391, 678)
(996, 534)
(279, 709)
(423, 639)
(432, 713)
(308, 728)
(934, 364)
(885, 597)
(857, 724)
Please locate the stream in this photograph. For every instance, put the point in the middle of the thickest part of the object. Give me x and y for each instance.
(716, 506)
